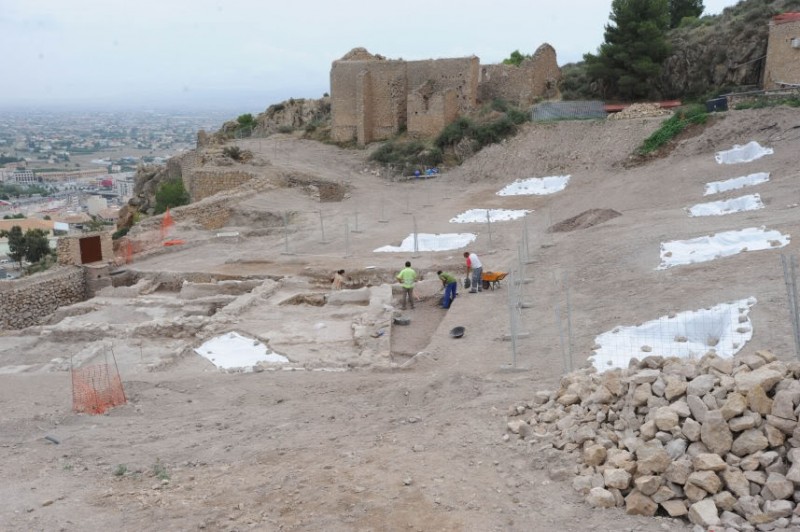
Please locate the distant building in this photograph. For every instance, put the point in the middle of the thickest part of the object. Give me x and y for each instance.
(95, 204)
(782, 68)
(24, 177)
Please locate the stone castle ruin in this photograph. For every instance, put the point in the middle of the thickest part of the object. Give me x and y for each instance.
(374, 98)
(782, 68)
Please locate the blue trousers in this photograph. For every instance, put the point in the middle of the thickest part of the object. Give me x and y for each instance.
(449, 294)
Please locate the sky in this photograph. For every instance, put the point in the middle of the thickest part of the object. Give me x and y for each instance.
(248, 54)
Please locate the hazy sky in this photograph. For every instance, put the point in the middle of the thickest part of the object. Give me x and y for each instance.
(248, 54)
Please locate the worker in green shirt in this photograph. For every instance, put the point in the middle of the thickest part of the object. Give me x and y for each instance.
(407, 277)
(450, 284)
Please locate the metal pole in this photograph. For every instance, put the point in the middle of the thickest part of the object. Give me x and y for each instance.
(489, 226)
(416, 239)
(789, 263)
(346, 237)
(286, 233)
(569, 320)
(408, 203)
(356, 230)
(561, 336)
(322, 228)
(383, 219)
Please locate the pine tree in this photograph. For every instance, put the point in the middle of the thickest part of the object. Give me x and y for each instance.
(678, 9)
(36, 245)
(629, 61)
(16, 244)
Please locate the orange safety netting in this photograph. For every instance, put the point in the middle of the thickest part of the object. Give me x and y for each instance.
(96, 388)
(166, 224)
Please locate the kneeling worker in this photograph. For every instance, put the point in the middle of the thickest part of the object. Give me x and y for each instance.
(450, 286)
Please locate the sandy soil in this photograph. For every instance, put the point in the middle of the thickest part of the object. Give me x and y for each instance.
(384, 447)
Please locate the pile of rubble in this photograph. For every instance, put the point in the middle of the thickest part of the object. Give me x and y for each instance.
(639, 110)
(713, 439)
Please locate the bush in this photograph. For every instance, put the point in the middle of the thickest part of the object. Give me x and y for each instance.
(482, 134)
(683, 118)
(286, 129)
(171, 194)
(119, 233)
(761, 103)
(407, 156)
(234, 152)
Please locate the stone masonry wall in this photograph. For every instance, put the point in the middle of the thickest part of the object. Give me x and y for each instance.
(204, 183)
(783, 61)
(430, 114)
(27, 302)
(459, 74)
(522, 85)
(68, 248)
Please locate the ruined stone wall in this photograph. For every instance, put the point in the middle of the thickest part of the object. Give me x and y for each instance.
(783, 61)
(27, 302)
(68, 248)
(536, 78)
(204, 183)
(459, 74)
(428, 115)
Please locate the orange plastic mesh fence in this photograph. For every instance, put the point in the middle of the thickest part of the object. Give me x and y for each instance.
(97, 388)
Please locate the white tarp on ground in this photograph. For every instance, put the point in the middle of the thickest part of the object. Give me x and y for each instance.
(431, 242)
(743, 154)
(750, 180)
(723, 329)
(725, 244)
(495, 215)
(751, 202)
(539, 186)
(234, 351)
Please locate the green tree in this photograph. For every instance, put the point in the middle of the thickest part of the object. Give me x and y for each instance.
(679, 9)
(37, 246)
(516, 58)
(16, 243)
(171, 194)
(629, 61)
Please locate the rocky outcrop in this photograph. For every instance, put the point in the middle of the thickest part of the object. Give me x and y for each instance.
(713, 440)
(720, 52)
(293, 114)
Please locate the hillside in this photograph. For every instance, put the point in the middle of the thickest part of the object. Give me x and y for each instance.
(374, 426)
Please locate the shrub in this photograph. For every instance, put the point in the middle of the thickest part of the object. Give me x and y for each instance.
(234, 152)
(683, 118)
(119, 233)
(171, 194)
(407, 156)
(285, 129)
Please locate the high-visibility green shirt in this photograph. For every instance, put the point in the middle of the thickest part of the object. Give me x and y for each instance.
(407, 276)
(447, 278)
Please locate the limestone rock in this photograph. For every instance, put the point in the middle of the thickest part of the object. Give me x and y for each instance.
(707, 480)
(697, 407)
(749, 442)
(691, 429)
(679, 471)
(675, 387)
(758, 401)
(701, 385)
(648, 484)
(637, 503)
(777, 487)
(594, 455)
(675, 508)
(704, 513)
(725, 500)
(716, 434)
(765, 377)
(708, 462)
(617, 478)
(736, 482)
(666, 418)
(600, 498)
(734, 405)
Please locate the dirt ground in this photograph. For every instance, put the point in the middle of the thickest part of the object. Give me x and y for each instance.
(415, 441)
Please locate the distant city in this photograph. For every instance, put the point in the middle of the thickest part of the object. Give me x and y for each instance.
(62, 171)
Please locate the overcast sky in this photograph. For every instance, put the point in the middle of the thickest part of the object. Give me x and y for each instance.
(248, 54)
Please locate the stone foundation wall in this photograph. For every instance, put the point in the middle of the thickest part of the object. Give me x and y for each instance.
(29, 301)
(204, 183)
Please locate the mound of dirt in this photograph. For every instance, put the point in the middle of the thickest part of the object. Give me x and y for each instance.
(640, 110)
(584, 220)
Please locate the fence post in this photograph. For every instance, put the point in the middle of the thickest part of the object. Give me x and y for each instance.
(789, 263)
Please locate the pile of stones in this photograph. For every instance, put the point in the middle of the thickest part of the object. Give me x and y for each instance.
(640, 110)
(714, 440)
